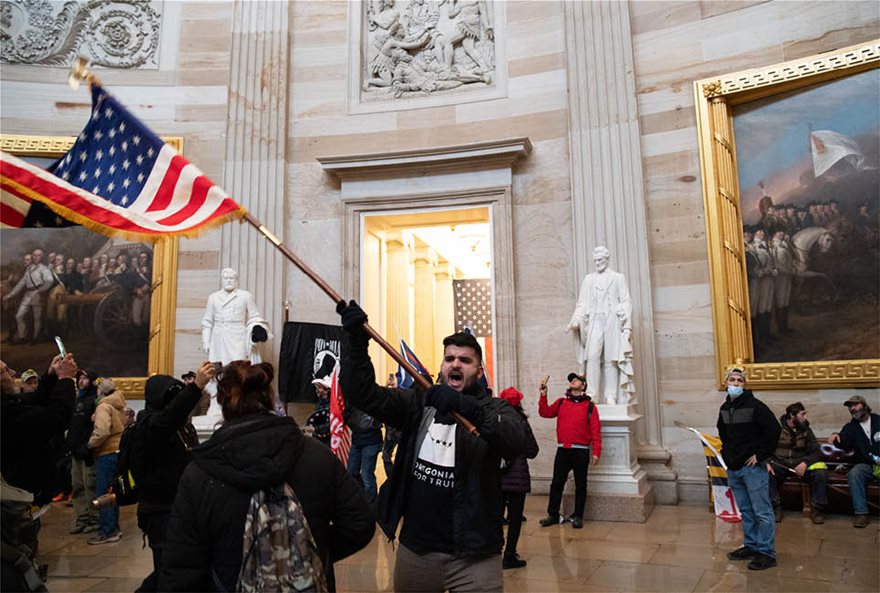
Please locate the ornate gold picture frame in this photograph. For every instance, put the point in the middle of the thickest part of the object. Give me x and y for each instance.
(160, 355)
(717, 101)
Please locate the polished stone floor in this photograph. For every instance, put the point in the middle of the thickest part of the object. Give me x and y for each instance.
(679, 549)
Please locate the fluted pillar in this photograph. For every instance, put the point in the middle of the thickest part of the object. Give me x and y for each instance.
(444, 316)
(397, 290)
(256, 129)
(607, 182)
(424, 306)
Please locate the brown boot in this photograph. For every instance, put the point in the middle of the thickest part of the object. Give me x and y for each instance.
(816, 516)
(777, 512)
(861, 521)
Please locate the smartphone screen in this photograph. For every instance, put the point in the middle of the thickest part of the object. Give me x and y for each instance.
(61, 350)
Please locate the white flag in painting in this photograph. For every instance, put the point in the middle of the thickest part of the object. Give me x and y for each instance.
(830, 147)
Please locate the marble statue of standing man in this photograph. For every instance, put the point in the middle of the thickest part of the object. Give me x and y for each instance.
(602, 320)
(232, 326)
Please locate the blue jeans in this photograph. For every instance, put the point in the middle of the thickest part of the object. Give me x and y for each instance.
(858, 477)
(362, 464)
(751, 491)
(105, 470)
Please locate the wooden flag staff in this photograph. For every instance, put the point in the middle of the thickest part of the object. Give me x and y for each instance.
(79, 72)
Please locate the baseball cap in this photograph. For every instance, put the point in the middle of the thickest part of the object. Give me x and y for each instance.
(325, 381)
(856, 399)
(29, 374)
(573, 376)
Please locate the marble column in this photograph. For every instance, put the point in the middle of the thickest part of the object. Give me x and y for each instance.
(256, 130)
(424, 306)
(444, 318)
(397, 305)
(608, 194)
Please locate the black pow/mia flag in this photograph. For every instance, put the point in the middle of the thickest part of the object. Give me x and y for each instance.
(308, 351)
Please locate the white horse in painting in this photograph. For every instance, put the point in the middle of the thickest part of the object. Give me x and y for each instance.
(804, 241)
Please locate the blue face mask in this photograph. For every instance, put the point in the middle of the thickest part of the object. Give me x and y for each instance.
(734, 390)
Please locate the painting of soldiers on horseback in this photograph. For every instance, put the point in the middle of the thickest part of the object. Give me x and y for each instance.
(810, 199)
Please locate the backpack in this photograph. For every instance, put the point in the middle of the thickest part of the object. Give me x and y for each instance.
(279, 552)
(124, 484)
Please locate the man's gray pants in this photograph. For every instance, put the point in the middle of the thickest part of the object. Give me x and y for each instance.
(436, 571)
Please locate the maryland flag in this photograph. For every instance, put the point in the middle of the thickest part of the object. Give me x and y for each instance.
(721, 493)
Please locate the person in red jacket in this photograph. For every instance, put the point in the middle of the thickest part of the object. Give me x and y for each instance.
(579, 437)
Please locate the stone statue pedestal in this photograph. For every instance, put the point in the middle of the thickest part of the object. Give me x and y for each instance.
(617, 487)
(206, 425)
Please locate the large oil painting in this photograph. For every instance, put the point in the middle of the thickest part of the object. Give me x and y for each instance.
(92, 291)
(809, 183)
(789, 160)
(111, 301)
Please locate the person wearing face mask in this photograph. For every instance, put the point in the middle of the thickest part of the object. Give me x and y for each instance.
(749, 433)
(862, 436)
(579, 437)
(798, 454)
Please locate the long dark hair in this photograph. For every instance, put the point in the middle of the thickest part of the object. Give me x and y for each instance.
(244, 388)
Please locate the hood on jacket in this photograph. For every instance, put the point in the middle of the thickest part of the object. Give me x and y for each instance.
(783, 422)
(252, 452)
(159, 390)
(115, 399)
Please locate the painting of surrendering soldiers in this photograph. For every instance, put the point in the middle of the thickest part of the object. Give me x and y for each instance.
(810, 197)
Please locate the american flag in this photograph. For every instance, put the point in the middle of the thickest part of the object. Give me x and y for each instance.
(118, 178)
(473, 315)
(340, 434)
(404, 379)
(473, 306)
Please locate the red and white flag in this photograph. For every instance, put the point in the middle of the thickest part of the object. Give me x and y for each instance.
(119, 178)
(340, 434)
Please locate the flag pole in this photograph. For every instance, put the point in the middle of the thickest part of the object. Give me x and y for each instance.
(328, 290)
(79, 71)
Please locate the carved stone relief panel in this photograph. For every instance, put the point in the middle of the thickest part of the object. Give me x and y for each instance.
(416, 49)
(112, 33)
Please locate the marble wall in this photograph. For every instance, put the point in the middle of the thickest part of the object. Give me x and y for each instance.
(674, 44)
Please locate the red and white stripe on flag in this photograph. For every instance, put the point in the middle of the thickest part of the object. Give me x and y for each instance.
(340, 434)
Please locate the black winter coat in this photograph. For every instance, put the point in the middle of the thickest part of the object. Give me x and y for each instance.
(204, 535)
(32, 435)
(164, 436)
(515, 478)
(747, 427)
(479, 503)
(81, 425)
(853, 438)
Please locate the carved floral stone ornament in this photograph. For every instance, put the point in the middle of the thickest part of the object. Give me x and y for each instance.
(113, 33)
(418, 48)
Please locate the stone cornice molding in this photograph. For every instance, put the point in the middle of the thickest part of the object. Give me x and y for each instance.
(479, 155)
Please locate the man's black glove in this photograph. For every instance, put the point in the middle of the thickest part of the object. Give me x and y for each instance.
(259, 334)
(445, 400)
(353, 317)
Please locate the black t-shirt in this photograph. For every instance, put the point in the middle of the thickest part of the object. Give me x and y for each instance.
(427, 524)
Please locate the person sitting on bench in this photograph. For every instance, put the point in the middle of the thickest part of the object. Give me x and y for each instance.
(861, 435)
(798, 454)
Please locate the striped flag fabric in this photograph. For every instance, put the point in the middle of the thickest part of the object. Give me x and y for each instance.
(340, 434)
(119, 178)
(721, 493)
(404, 379)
